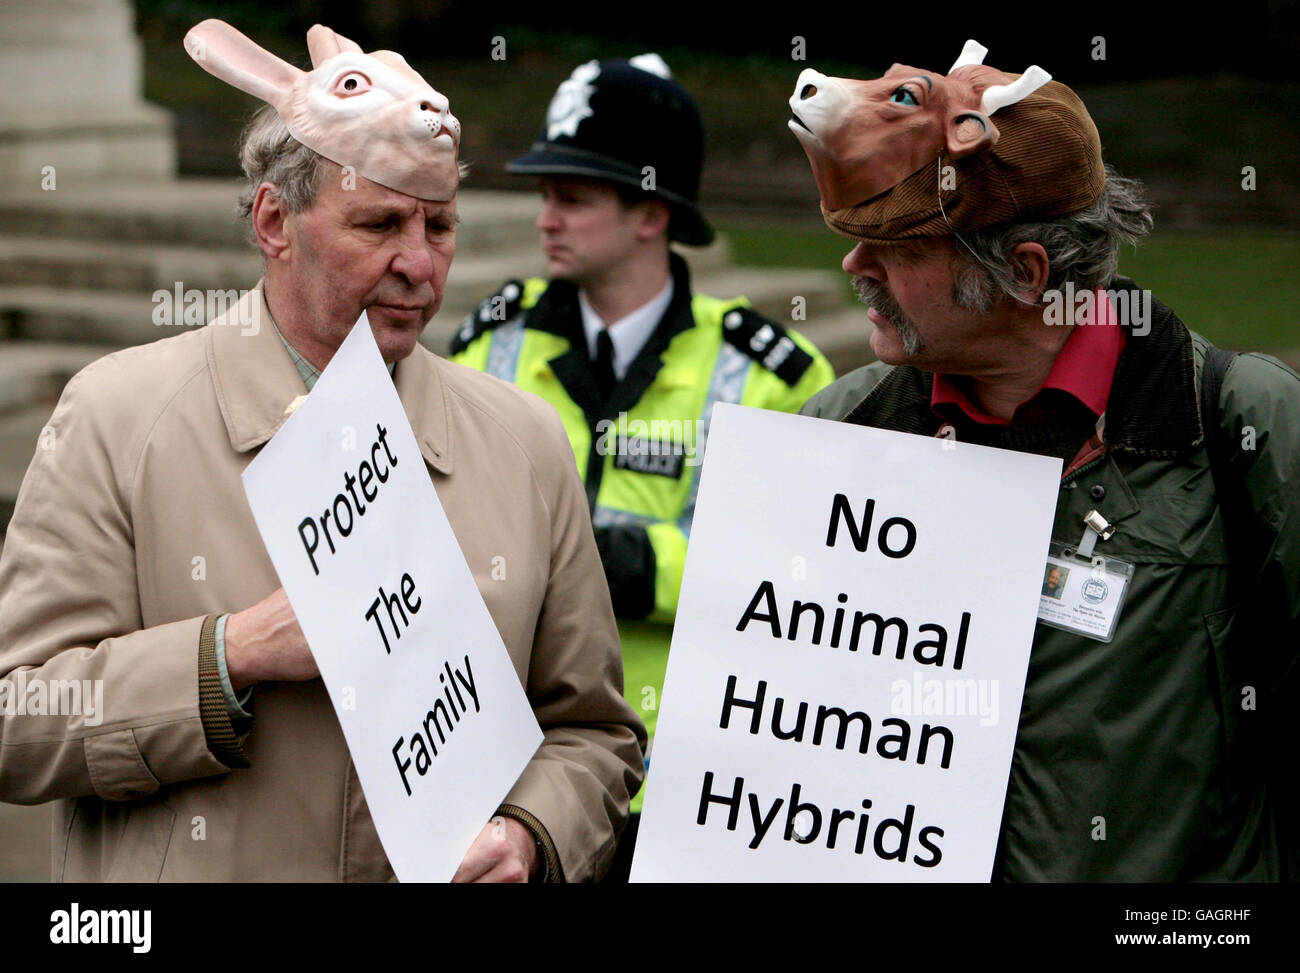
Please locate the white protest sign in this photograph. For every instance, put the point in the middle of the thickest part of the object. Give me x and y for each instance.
(848, 658)
(435, 718)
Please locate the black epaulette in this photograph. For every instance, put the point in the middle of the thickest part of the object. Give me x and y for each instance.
(767, 342)
(491, 312)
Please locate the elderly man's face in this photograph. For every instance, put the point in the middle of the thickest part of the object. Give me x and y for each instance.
(909, 291)
(368, 248)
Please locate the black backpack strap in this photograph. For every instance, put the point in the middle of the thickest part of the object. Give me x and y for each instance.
(1255, 626)
(1247, 542)
(1229, 492)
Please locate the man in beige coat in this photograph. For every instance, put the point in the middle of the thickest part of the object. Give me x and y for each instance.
(132, 561)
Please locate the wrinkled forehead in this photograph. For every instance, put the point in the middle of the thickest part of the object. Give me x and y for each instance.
(358, 193)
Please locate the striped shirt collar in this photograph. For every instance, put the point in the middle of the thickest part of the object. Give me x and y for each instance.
(306, 370)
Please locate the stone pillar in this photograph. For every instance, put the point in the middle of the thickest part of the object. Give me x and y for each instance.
(70, 95)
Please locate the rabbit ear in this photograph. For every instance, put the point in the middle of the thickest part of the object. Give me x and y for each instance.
(226, 53)
(324, 43)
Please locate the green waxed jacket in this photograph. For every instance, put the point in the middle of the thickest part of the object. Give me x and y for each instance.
(1166, 754)
(639, 453)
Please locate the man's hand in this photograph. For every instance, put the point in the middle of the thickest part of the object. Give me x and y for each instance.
(265, 643)
(504, 851)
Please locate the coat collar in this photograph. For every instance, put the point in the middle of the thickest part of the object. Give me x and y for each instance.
(1152, 412)
(1154, 408)
(256, 382)
(557, 312)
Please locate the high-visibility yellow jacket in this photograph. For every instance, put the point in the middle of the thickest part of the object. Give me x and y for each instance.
(639, 452)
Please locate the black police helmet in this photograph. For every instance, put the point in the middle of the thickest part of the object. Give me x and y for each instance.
(613, 119)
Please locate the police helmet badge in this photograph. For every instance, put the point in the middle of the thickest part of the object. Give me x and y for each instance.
(572, 102)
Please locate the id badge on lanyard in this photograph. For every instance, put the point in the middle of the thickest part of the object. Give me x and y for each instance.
(1083, 592)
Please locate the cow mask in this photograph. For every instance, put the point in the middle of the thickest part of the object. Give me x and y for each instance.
(865, 138)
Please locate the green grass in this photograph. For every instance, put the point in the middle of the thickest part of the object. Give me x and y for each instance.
(779, 246)
(1239, 289)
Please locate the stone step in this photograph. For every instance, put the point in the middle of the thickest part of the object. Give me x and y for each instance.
(102, 265)
(124, 268)
(773, 290)
(20, 433)
(842, 336)
(32, 261)
(707, 260)
(34, 311)
(201, 212)
(79, 316)
(121, 318)
(37, 371)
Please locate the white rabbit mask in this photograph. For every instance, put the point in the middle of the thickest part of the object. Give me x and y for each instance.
(371, 112)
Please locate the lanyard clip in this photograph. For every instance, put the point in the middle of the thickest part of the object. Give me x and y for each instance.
(1100, 524)
(1094, 526)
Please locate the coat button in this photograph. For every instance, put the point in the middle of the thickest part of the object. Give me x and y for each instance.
(1097, 491)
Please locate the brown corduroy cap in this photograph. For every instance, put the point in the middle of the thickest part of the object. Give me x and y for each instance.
(1035, 159)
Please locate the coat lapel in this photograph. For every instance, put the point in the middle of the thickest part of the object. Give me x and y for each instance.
(256, 382)
(254, 377)
(423, 392)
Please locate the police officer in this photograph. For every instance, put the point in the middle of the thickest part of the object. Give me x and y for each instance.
(631, 359)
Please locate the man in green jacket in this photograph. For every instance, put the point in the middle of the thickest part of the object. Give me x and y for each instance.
(1153, 748)
(630, 357)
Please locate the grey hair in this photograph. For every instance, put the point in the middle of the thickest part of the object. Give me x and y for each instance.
(268, 153)
(1082, 247)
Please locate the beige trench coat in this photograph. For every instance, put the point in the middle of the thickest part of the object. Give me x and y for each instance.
(99, 580)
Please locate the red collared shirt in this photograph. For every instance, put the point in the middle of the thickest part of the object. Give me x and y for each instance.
(1085, 369)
